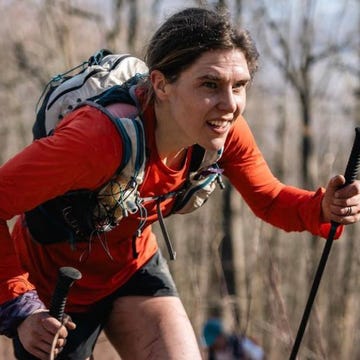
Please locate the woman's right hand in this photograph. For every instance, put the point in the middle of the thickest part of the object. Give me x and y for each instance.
(38, 331)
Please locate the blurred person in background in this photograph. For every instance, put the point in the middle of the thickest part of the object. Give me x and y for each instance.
(221, 345)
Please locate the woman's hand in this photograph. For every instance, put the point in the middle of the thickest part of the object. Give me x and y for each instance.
(38, 331)
(341, 205)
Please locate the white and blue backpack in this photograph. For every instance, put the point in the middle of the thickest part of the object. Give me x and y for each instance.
(76, 216)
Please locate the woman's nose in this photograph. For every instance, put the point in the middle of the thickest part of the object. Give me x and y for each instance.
(228, 102)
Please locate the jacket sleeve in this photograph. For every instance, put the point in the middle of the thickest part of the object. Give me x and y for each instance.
(83, 153)
(18, 298)
(286, 207)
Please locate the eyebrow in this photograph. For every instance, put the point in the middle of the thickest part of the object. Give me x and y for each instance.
(210, 77)
(218, 78)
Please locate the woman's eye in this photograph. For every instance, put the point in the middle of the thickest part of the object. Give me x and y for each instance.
(237, 89)
(239, 86)
(210, 85)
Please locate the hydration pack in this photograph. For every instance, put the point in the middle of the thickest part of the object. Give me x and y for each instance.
(65, 91)
(79, 215)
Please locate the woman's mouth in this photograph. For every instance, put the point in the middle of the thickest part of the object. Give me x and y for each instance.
(219, 125)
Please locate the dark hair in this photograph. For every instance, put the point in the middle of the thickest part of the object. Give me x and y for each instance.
(186, 35)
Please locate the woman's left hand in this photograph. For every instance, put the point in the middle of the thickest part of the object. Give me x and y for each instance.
(341, 204)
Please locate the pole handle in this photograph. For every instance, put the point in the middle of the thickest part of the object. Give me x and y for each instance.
(66, 277)
(354, 160)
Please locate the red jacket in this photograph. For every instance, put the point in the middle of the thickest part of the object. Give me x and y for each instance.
(84, 152)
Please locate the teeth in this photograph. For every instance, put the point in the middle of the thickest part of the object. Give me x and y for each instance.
(218, 123)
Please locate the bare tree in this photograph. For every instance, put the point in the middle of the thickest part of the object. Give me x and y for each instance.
(296, 55)
(308, 60)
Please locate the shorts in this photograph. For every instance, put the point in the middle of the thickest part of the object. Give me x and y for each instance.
(153, 279)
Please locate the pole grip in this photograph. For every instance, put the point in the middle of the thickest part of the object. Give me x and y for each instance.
(353, 164)
(66, 277)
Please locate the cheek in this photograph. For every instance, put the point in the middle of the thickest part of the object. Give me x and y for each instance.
(242, 106)
(242, 102)
(185, 102)
(196, 109)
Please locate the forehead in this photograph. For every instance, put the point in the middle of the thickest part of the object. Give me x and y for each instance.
(221, 63)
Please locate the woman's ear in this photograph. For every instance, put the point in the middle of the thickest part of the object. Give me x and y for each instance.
(159, 83)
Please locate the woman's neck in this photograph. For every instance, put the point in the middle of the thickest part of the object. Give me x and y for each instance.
(171, 150)
(176, 161)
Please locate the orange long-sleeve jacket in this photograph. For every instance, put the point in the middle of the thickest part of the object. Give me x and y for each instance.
(84, 153)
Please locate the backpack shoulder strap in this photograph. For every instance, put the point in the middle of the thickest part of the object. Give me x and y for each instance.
(202, 161)
(124, 93)
(197, 158)
(132, 132)
(203, 175)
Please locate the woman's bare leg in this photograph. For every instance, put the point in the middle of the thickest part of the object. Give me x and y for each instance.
(151, 328)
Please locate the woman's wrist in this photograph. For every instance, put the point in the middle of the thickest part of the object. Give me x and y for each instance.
(13, 312)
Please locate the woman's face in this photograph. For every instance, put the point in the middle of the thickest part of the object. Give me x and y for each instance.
(206, 99)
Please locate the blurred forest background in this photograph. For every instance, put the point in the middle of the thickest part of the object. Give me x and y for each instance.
(303, 107)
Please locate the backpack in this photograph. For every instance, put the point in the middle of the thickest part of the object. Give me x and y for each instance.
(65, 92)
(104, 79)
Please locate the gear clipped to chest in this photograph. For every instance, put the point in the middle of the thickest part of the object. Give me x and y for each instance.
(118, 199)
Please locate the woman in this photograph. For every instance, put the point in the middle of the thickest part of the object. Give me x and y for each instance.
(199, 69)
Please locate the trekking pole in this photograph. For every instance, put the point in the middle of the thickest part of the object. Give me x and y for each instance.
(350, 176)
(66, 277)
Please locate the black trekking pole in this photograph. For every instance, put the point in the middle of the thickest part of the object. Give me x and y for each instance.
(350, 176)
(66, 277)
